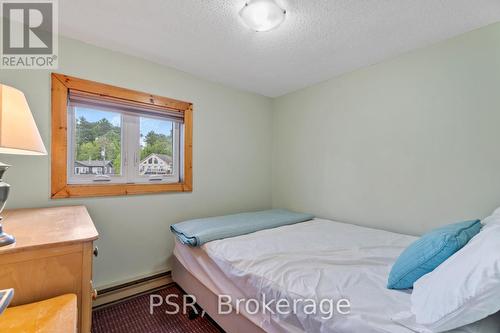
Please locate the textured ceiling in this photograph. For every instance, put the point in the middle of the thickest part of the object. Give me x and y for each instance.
(319, 39)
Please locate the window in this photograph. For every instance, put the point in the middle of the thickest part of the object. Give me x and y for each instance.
(120, 144)
(113, 141)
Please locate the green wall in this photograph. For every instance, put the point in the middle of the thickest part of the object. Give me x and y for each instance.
(231, 154)
(404, 145)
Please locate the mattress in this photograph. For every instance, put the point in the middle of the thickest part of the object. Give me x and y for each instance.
(315, 260)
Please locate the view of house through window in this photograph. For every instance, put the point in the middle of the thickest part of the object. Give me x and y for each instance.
(157, 147)
(97, 142)
(120, 146)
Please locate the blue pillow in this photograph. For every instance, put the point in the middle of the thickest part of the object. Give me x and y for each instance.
(430, 251)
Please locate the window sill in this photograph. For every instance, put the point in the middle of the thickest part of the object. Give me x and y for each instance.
(102, 190)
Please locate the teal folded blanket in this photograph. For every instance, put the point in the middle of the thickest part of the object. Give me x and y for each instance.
(200, 231)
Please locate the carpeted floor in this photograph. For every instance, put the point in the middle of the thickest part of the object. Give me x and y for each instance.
(132, 316)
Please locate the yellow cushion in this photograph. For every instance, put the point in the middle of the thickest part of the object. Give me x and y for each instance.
(55, 315)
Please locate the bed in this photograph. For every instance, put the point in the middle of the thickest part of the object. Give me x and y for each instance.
(318, 259)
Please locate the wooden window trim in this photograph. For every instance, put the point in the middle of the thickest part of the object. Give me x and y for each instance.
(59, 185)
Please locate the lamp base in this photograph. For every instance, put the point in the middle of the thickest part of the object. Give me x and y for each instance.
(6, 239)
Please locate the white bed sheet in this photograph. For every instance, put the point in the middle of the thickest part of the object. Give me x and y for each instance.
(317, 259)
(197, 262)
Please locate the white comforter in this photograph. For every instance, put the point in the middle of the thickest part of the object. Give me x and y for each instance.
(320, 259)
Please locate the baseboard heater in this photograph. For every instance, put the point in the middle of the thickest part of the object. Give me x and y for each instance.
(120, 292)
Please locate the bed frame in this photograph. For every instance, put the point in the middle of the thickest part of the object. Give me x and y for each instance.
(231, 323)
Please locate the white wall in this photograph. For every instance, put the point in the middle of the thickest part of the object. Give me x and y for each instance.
(405, 145)
(231, 171)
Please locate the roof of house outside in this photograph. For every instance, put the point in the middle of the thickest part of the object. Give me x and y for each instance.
(164, 157)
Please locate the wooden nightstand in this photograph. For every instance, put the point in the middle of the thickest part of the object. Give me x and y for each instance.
(52, 256)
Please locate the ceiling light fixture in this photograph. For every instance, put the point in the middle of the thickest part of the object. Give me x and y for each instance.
(262, 15)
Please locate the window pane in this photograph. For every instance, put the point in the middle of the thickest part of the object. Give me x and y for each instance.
(98, 142)
(156, 147)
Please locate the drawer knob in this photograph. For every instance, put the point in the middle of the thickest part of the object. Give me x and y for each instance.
(94, 294)
(96, 251)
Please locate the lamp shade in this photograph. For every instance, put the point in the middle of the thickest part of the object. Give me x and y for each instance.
(18, 132)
